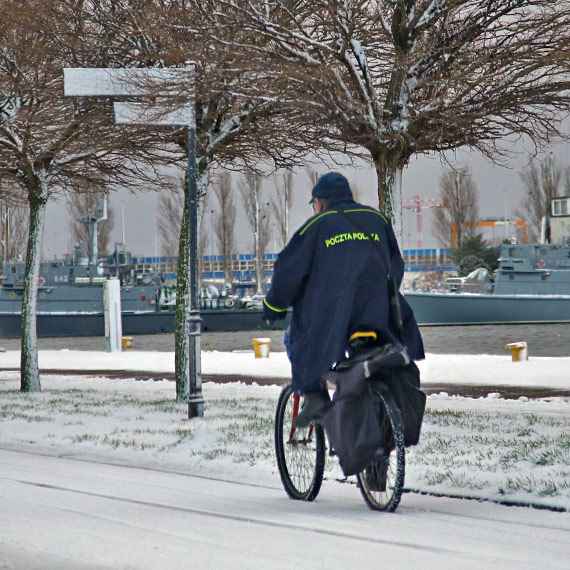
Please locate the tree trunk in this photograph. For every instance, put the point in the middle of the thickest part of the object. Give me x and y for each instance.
(258, 264)
(37, 197)
(182, 312)
(226, 250)
(258, 254)
(389, 176)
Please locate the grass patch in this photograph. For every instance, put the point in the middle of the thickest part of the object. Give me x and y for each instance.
(491, 447)
(460, 451)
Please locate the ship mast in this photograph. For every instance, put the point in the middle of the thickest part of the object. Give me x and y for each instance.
(94, 219)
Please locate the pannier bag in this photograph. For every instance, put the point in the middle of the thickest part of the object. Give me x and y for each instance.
(354, 428)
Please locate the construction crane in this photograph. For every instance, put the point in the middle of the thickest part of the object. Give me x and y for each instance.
(416, 204)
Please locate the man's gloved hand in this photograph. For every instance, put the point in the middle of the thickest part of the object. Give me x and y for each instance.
(270, 316)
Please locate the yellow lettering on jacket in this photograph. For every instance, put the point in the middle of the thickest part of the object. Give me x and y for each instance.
(339, 238)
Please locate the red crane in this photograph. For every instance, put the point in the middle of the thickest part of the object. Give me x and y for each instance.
(416, 204)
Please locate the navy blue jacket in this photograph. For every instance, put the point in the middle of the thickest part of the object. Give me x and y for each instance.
(337, 284)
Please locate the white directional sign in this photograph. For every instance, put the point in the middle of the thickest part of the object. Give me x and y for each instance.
(135, 113)
(163, 96)
(125, 82)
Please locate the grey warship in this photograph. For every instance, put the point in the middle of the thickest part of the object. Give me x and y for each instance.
(531, 285)
(70, 300)
(70, 296)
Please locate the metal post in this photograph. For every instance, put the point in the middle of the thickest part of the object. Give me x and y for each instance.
(195, 399)
(123, 223)
(155, 232)
(505, 205)
(94, 245)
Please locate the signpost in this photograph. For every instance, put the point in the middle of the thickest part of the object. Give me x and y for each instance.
(138, 83)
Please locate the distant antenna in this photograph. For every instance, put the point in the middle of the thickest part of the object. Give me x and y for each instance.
(94, 219)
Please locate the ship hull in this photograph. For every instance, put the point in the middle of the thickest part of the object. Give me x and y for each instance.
(469, 309)
(84, 324)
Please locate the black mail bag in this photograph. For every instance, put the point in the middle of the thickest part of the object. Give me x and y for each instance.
(354, 425)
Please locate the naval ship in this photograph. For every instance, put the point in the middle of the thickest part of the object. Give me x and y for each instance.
(70, 296)
(531, 284)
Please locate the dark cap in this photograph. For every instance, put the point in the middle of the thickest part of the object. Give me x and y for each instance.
(331, 185)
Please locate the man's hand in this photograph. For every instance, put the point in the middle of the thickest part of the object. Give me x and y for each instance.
(270, 316)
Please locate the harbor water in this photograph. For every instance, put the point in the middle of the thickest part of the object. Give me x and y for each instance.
(542, 340)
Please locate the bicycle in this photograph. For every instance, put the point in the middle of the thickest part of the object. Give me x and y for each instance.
(301, 451)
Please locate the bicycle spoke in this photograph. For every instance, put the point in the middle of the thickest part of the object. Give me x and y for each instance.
(300, 452)
(386, 496)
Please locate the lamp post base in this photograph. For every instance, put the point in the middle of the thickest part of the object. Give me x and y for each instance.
(195, 407)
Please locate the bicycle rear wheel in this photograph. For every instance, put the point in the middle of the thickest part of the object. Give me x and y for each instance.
(382, 483)
(300, 452)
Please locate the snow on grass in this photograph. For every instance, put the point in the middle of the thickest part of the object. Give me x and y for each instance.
(489, 448)
(515, 450)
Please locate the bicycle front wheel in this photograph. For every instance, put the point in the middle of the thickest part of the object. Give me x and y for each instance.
(300, 452)
(382, 482)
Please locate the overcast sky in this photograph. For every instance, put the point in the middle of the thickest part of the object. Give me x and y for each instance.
(497, 186)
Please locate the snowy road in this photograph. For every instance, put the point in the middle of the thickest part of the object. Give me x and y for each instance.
(69, 514)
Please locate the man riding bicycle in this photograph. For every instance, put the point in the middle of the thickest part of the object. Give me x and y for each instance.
(334, 273)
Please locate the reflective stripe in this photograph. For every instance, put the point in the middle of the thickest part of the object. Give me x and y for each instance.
(372, 211)
(317, 218)
(369, 210)
(273, 308)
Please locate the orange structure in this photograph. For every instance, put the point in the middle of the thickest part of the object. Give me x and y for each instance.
(487, 224)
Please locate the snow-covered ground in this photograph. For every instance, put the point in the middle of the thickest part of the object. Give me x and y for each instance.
(514, 451)
(436, 368)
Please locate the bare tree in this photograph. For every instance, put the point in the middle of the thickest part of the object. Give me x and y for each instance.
(13, 230)
(170, 212)
(265, 232)
(281, 205)
(454, 222)
(86, 204)
(48, 143)
(396, 78)
(205, 240)
(313, 175)
(224, 222)
(170, 208)
(542, 181)
(236, 125)
(259, 218)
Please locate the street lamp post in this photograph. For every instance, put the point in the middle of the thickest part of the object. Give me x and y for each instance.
(195, 398)
(131, 82)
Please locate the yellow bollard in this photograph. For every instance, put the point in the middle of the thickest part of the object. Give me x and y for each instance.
(261, 347)
(127, 342)
(520, 350)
